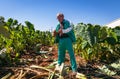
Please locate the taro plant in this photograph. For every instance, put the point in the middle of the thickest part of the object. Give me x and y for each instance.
(20, 39)
(96, 43)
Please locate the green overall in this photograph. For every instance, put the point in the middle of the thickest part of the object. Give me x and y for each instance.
(65, 43)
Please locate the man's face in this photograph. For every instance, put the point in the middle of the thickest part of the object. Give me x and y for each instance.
(60, 18)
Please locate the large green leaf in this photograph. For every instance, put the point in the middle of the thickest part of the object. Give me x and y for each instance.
(90, 51)
(84, 44)
(29, 25)
(110, 40)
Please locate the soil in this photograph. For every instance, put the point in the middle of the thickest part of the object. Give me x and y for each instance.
(24, 71)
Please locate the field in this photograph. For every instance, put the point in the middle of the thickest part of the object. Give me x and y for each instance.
(26, 53)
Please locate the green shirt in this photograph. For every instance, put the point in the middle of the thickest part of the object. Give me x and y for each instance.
(65, 26)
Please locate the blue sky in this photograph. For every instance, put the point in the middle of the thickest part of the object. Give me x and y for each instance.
(42, 13)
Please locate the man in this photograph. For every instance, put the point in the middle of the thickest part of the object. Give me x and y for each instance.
(64, 36)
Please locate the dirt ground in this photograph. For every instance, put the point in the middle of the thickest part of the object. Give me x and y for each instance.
(24, 70)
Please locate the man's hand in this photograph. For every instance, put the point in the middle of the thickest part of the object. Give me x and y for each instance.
(60, 31)
(54, 33)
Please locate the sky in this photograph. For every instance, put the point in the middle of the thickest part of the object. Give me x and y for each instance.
(42, 13)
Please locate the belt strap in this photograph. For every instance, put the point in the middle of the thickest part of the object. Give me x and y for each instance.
(64, 36)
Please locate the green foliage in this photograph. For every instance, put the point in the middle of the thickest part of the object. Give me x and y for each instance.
(95, 42)
(111, 69)
(29, 25)
(20, 39)
(2, 21)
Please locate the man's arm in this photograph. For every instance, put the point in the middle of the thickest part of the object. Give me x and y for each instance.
(67, 30)
(69, 27)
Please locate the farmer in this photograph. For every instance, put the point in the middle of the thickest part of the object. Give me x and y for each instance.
(64, 36)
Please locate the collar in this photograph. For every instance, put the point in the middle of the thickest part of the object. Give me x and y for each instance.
(63, 21)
